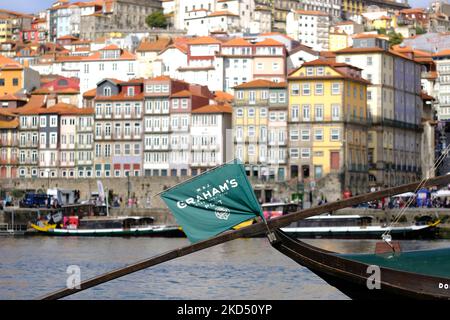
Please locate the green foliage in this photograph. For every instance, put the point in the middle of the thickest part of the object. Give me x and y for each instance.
(381, 31)
(395, 38)
(420, 30)
(156, 20)
(16, 193)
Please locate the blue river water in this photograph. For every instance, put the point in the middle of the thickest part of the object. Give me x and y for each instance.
(241, 269)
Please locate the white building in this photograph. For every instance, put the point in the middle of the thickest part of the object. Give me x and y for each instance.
(204, 16)
(309, 27)
(209, 125)
(109, 62)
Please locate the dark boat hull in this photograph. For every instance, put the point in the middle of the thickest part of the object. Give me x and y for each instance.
(351, 277)
(425, 233)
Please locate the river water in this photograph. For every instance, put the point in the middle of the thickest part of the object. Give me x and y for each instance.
(241, 269)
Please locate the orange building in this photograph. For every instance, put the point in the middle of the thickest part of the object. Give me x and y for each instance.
(15, 78)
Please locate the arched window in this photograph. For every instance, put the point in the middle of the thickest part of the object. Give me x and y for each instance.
(107, 91)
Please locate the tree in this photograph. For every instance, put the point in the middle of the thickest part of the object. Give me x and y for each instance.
(156, 20)
(395, 38)
(420, 30)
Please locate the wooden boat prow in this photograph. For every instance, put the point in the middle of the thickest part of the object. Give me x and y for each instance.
(351, 276)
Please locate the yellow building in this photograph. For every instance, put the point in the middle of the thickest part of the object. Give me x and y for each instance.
(14, 78)
(328, 127)
(338, 41)
(6, 28)
(260, 128)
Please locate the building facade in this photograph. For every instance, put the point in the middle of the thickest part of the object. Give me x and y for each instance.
(260, 129)
(328, 127)
(395, 108)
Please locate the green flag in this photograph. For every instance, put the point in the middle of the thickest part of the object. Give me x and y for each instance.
(213, 202)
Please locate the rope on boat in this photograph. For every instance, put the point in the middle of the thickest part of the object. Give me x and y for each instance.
(386, 236)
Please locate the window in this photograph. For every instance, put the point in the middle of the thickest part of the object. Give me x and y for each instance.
(273, 97)
(320, 71)
(294, 113)
(306, 134)
(126, 149)
(130, 91)
(15, 82)
(117, 150)
(107, 91)
(306, 153)
(43, 121)
(295, 89)
(335, 109)
(53, 121)
(318, 112)
(369, 61)
(309, 71)
(369, 95)
(263, 112)
(306, 113)
(251, 112)
(294, 135)
(240, 95)
(252, 97)
(306, 89)
(293, 152)
(318, 134)
(335, 88)
(335, 135)
(272, 116)
(239, 112)
(318, 172)
(264, 94)
(281, 97)
(319, 89)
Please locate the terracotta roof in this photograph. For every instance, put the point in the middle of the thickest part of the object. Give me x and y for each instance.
(237, 42)
(125, 55)
(261, 83)
(32, 107)
(311, 13)
(67, 37)
(182, 94)
(9, 124)
(222, 96)
(204, 40)
(413, 10)
(269, 42)
(11, 97)
(335, 66)
(222, 13)
(66, 109)
(369, 35)
(57, 91)
(7, 63)
(90, 93)
(111, 47)
(214, 108)
(442, 53)
(158, 45)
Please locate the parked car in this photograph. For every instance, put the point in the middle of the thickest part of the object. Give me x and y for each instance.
(35, 200)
